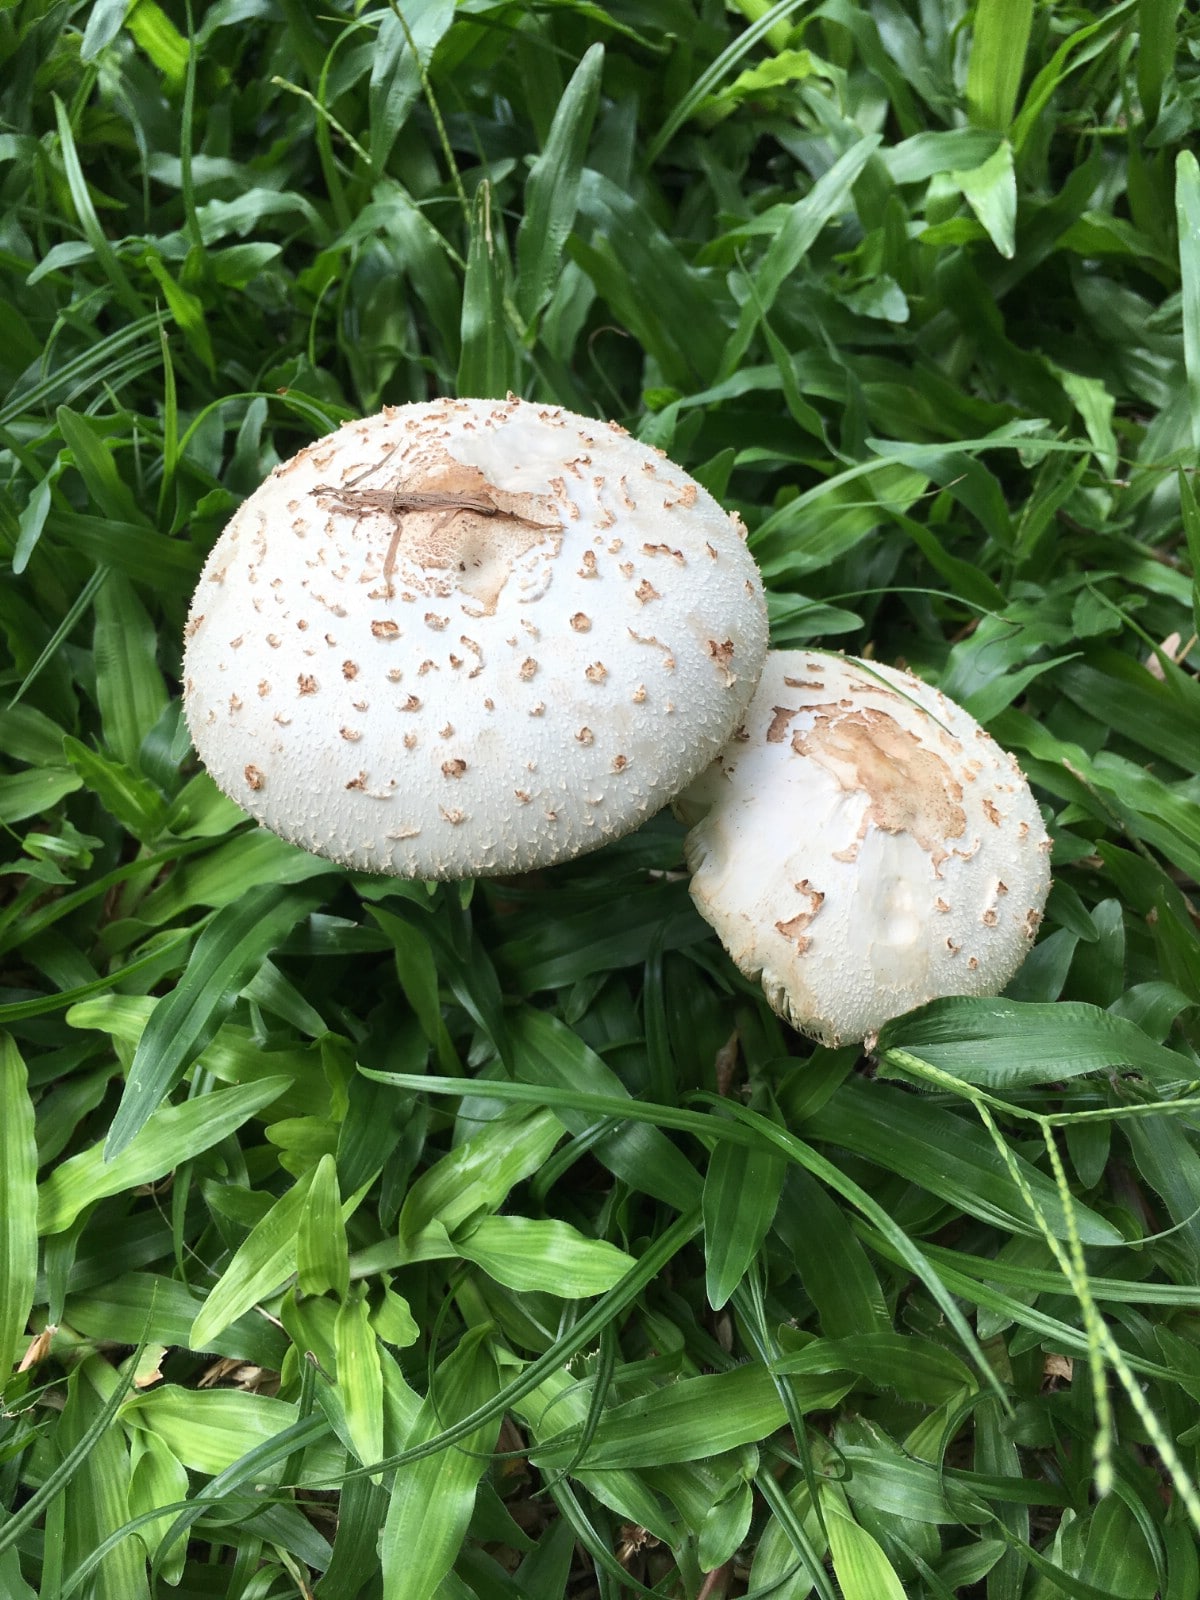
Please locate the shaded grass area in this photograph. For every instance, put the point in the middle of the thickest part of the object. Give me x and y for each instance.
(497, 1240)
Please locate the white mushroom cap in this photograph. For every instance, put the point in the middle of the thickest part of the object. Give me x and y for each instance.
(865, 846)
(469, 637)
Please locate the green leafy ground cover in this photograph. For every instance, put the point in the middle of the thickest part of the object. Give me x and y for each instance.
(497, 1241)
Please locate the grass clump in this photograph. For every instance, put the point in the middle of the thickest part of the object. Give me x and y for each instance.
(498, 1241)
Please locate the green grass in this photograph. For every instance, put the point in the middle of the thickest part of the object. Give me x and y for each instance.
(370, 1239)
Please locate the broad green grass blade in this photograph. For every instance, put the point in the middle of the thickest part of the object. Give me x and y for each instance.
(1006, 1044)
(97, 467)
(991, 193)
(226, 955)
(405, 43)
(552, 189)
(692, 1419)
(169, 1136)
(486, 366)
(67, 1467)
(360, 1377)
(261, 1265)
(98, 1501)
(129, 686)
(322, 1253)
(543, 1256)
(949, 1157)
(999, 41)
(863, 1571)
(432, 1499)
(480, 1173)
(741, 1192)
(1157, 22)
(18, 1204)
(834, 1268)
(1187, 212)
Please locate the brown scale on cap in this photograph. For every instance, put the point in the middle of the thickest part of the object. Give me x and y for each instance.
(795, 928)
(254, 777)
(455, 768)
(306, 683)
(722, 654)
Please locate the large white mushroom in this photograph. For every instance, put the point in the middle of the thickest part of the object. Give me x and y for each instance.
(467, 637)
(865, 846)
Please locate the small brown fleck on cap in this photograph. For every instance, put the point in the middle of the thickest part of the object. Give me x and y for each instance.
(351, 735)
(349, 670)
(596, 673)
(585, 736)
(645, 592)
(307, 683)
(358, 783)
(254, 777)
(527, 669)
(455, 768)
(385, 628)
(581, 622)
(619, 763)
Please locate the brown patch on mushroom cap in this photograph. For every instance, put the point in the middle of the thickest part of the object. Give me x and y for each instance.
(911, 788)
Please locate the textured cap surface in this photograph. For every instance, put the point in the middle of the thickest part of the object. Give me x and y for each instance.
(468, 637)
(865, 846)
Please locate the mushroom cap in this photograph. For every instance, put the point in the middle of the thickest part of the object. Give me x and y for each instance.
(865, 846)
(470, 636)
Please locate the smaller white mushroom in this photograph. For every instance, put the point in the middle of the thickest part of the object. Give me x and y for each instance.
(865, 846)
